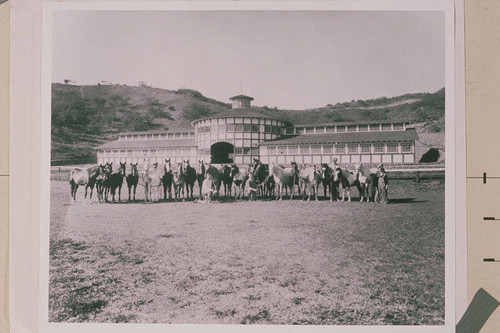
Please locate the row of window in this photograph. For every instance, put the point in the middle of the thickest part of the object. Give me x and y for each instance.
(149, 153)
(348, 128)
(240, 128)
(239, 121)
(183, 135)
(337, 149)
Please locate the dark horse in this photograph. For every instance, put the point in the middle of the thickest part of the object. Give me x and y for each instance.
(328, 183)
(200, 175)
(114, 181)
(167, 180)
(227, 179)
(132, 179)
(85, 177)
(261, 173)
(189, 178)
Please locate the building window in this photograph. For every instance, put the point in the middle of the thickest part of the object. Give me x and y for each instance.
(406, 147)
(238, 128)
(363, 128)
(247, 128)
(386, 127)
(293, 150)
(365, 149)
(275, 130)
(330, 129)
(351, 128)
(282, 150)
(379, 148)
(255, 128)
(353, 149)
(340, 149)
(222, 127)
(392, 147)
(230, 128)
(309, 130)
(327, 149)
(246, 151)
(340, 128)
(398, 127)
(238, 151)
(316, 149)
(300, 130)
(304, 150)
(271, 150)
(375, 127)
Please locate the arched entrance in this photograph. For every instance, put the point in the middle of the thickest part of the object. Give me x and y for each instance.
(221, 152)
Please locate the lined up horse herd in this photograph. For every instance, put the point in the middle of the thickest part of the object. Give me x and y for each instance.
(176, 181)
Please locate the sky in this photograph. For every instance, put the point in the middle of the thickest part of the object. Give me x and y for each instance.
(291, 60)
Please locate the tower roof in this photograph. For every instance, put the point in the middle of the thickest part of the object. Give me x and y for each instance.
(241, 97)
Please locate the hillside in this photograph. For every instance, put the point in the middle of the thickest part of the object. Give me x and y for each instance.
(83, 117)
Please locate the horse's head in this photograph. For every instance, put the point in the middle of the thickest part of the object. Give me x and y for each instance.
(233, 170)
(108, 168)
(337, 174)
(133, 169)
(201, 168)
(123, 167)
(319, 171)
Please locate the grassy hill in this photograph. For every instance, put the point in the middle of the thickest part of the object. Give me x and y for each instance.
(83, 117)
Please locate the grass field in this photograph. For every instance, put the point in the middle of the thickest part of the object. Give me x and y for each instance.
(262, 262)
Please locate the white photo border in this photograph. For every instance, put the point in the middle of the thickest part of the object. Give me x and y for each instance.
(446, 6)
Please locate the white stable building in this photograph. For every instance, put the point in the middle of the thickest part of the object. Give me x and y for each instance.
(245, 132)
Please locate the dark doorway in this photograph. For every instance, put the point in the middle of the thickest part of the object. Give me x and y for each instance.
(221, 152)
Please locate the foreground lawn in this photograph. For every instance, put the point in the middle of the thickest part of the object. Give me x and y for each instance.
(263, 262)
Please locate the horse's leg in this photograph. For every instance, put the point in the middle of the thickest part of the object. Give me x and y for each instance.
(119, 193)
(348, 194)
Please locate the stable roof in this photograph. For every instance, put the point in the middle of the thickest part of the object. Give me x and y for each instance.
(344, 137)
(347, 123)
(251, 112)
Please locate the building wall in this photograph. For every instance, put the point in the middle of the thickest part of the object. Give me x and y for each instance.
(369, 153)
(243, 133)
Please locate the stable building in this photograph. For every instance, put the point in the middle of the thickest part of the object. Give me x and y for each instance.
(244, 132)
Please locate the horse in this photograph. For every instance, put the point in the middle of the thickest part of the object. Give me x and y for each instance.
(239, 177)
(347, 179)
(227, 179)
(99, 186)
(371, 187)
(310, 178)
(327, 181)
(284, 178)
(132, 178)
(366, 178)
(261, 173)
(85, 177)
(114, 181)
(167, 180)
(217, 175)
(189, 177)
(200, 175)
(178, 181)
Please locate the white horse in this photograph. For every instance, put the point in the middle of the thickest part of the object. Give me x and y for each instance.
(310, 178)
(283, 178)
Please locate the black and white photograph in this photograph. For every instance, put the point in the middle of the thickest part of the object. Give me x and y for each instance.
(247, 167)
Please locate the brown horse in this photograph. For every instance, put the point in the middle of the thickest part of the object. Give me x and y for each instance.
(200, 175)
(167, 180)
(217, 175)
(87, 177)
(114, 181)
(189, 178)
(261, 173)
(227, 179)
(132, 178)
